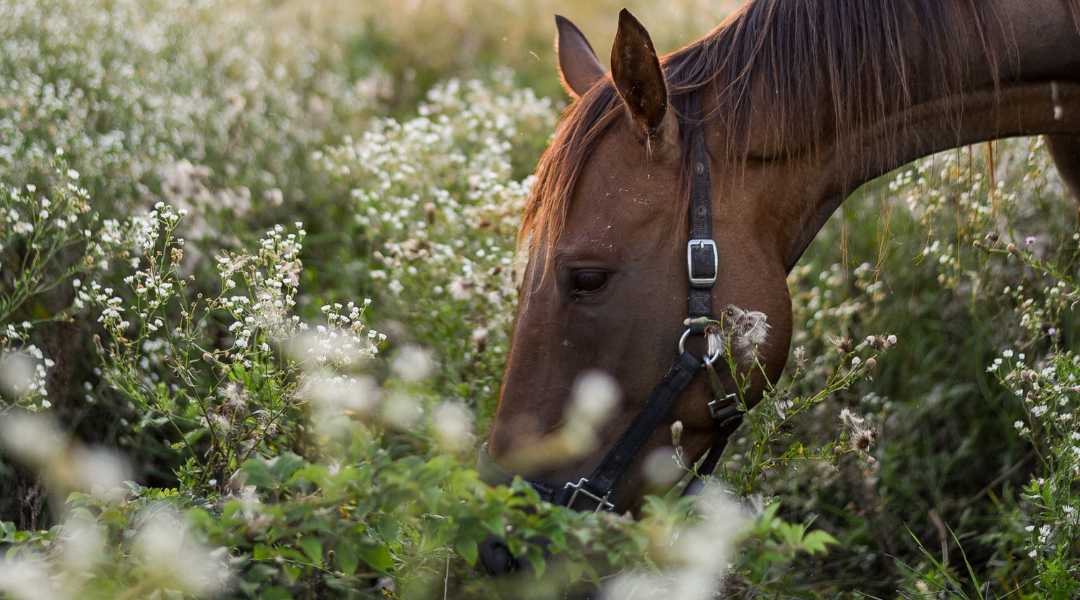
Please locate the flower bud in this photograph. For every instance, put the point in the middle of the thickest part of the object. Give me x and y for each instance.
(676, 433)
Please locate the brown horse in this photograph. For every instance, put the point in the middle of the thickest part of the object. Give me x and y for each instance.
(802, 102)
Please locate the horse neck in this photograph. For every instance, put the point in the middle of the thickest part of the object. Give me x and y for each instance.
(1023, 79)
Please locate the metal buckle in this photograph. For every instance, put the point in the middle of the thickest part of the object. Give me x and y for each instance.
(579, 488)
(701, 280)
(728, 410)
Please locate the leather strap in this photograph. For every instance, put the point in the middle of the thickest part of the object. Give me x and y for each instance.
(724, 430)
(701, 258)
(601, 483)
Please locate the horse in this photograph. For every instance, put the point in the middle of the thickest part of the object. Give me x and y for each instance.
(755, 134)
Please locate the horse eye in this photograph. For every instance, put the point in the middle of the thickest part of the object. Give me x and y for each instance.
(585, 281)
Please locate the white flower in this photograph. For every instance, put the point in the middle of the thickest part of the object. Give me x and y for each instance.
(100, 472)
(453, 426)
(594, 396)
(34, 439)
(167, 549)
(412, 363)
(82, 541)
(27, 578)
(701, 554)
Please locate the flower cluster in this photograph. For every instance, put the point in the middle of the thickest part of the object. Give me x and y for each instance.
(437, 198)
(49, 238)
(203, 85)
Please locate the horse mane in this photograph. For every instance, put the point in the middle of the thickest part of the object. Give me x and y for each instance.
(828, 69)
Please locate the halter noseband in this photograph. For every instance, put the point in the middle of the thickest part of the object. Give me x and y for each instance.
(702, 264)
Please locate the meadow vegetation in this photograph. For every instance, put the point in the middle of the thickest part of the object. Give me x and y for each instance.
(256, 297)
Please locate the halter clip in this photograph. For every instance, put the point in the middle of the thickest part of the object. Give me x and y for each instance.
(580, 489)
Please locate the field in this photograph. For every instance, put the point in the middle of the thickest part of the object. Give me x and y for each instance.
(255, 303)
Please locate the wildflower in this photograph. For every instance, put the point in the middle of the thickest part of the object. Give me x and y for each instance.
(699, 554)
(100, 472)
(459, 289)
(479, 338)
(401, 411)
(166, 547)
(413, 364)
(676, 433)
(662, 467)
(800, 357)
(862, 436)
(82, 542)
(453, 426)
(35, 439)
(594, 397)
(16, 373)
(27, 578)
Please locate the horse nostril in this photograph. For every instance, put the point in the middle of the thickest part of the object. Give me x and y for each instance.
(496, 558)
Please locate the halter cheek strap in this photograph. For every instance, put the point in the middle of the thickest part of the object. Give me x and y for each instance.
(702, 264)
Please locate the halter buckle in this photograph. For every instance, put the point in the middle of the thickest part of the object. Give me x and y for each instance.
(702, 262)
(722, 412)
(580, 489)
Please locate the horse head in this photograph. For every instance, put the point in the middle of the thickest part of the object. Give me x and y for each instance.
(793, 108)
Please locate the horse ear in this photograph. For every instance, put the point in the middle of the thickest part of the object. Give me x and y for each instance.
(635, 68)
(579, 68)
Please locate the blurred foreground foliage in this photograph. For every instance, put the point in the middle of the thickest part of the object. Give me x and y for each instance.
(256, 256)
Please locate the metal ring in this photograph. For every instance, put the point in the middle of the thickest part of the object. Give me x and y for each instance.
(709, 360)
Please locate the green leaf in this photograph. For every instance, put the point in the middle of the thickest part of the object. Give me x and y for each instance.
(817, 541)
(275, 593)
(258, 473)
(262, 552)
(346, 556)
(313, 549)
(468, 550)
(284, 465)
(194, 436)
(535, 558)
(7, 531)
(377, 556)
(495, 524)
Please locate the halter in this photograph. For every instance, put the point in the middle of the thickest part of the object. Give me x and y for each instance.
(593, 493)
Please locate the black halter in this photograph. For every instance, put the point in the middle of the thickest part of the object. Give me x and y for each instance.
(702, 262)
